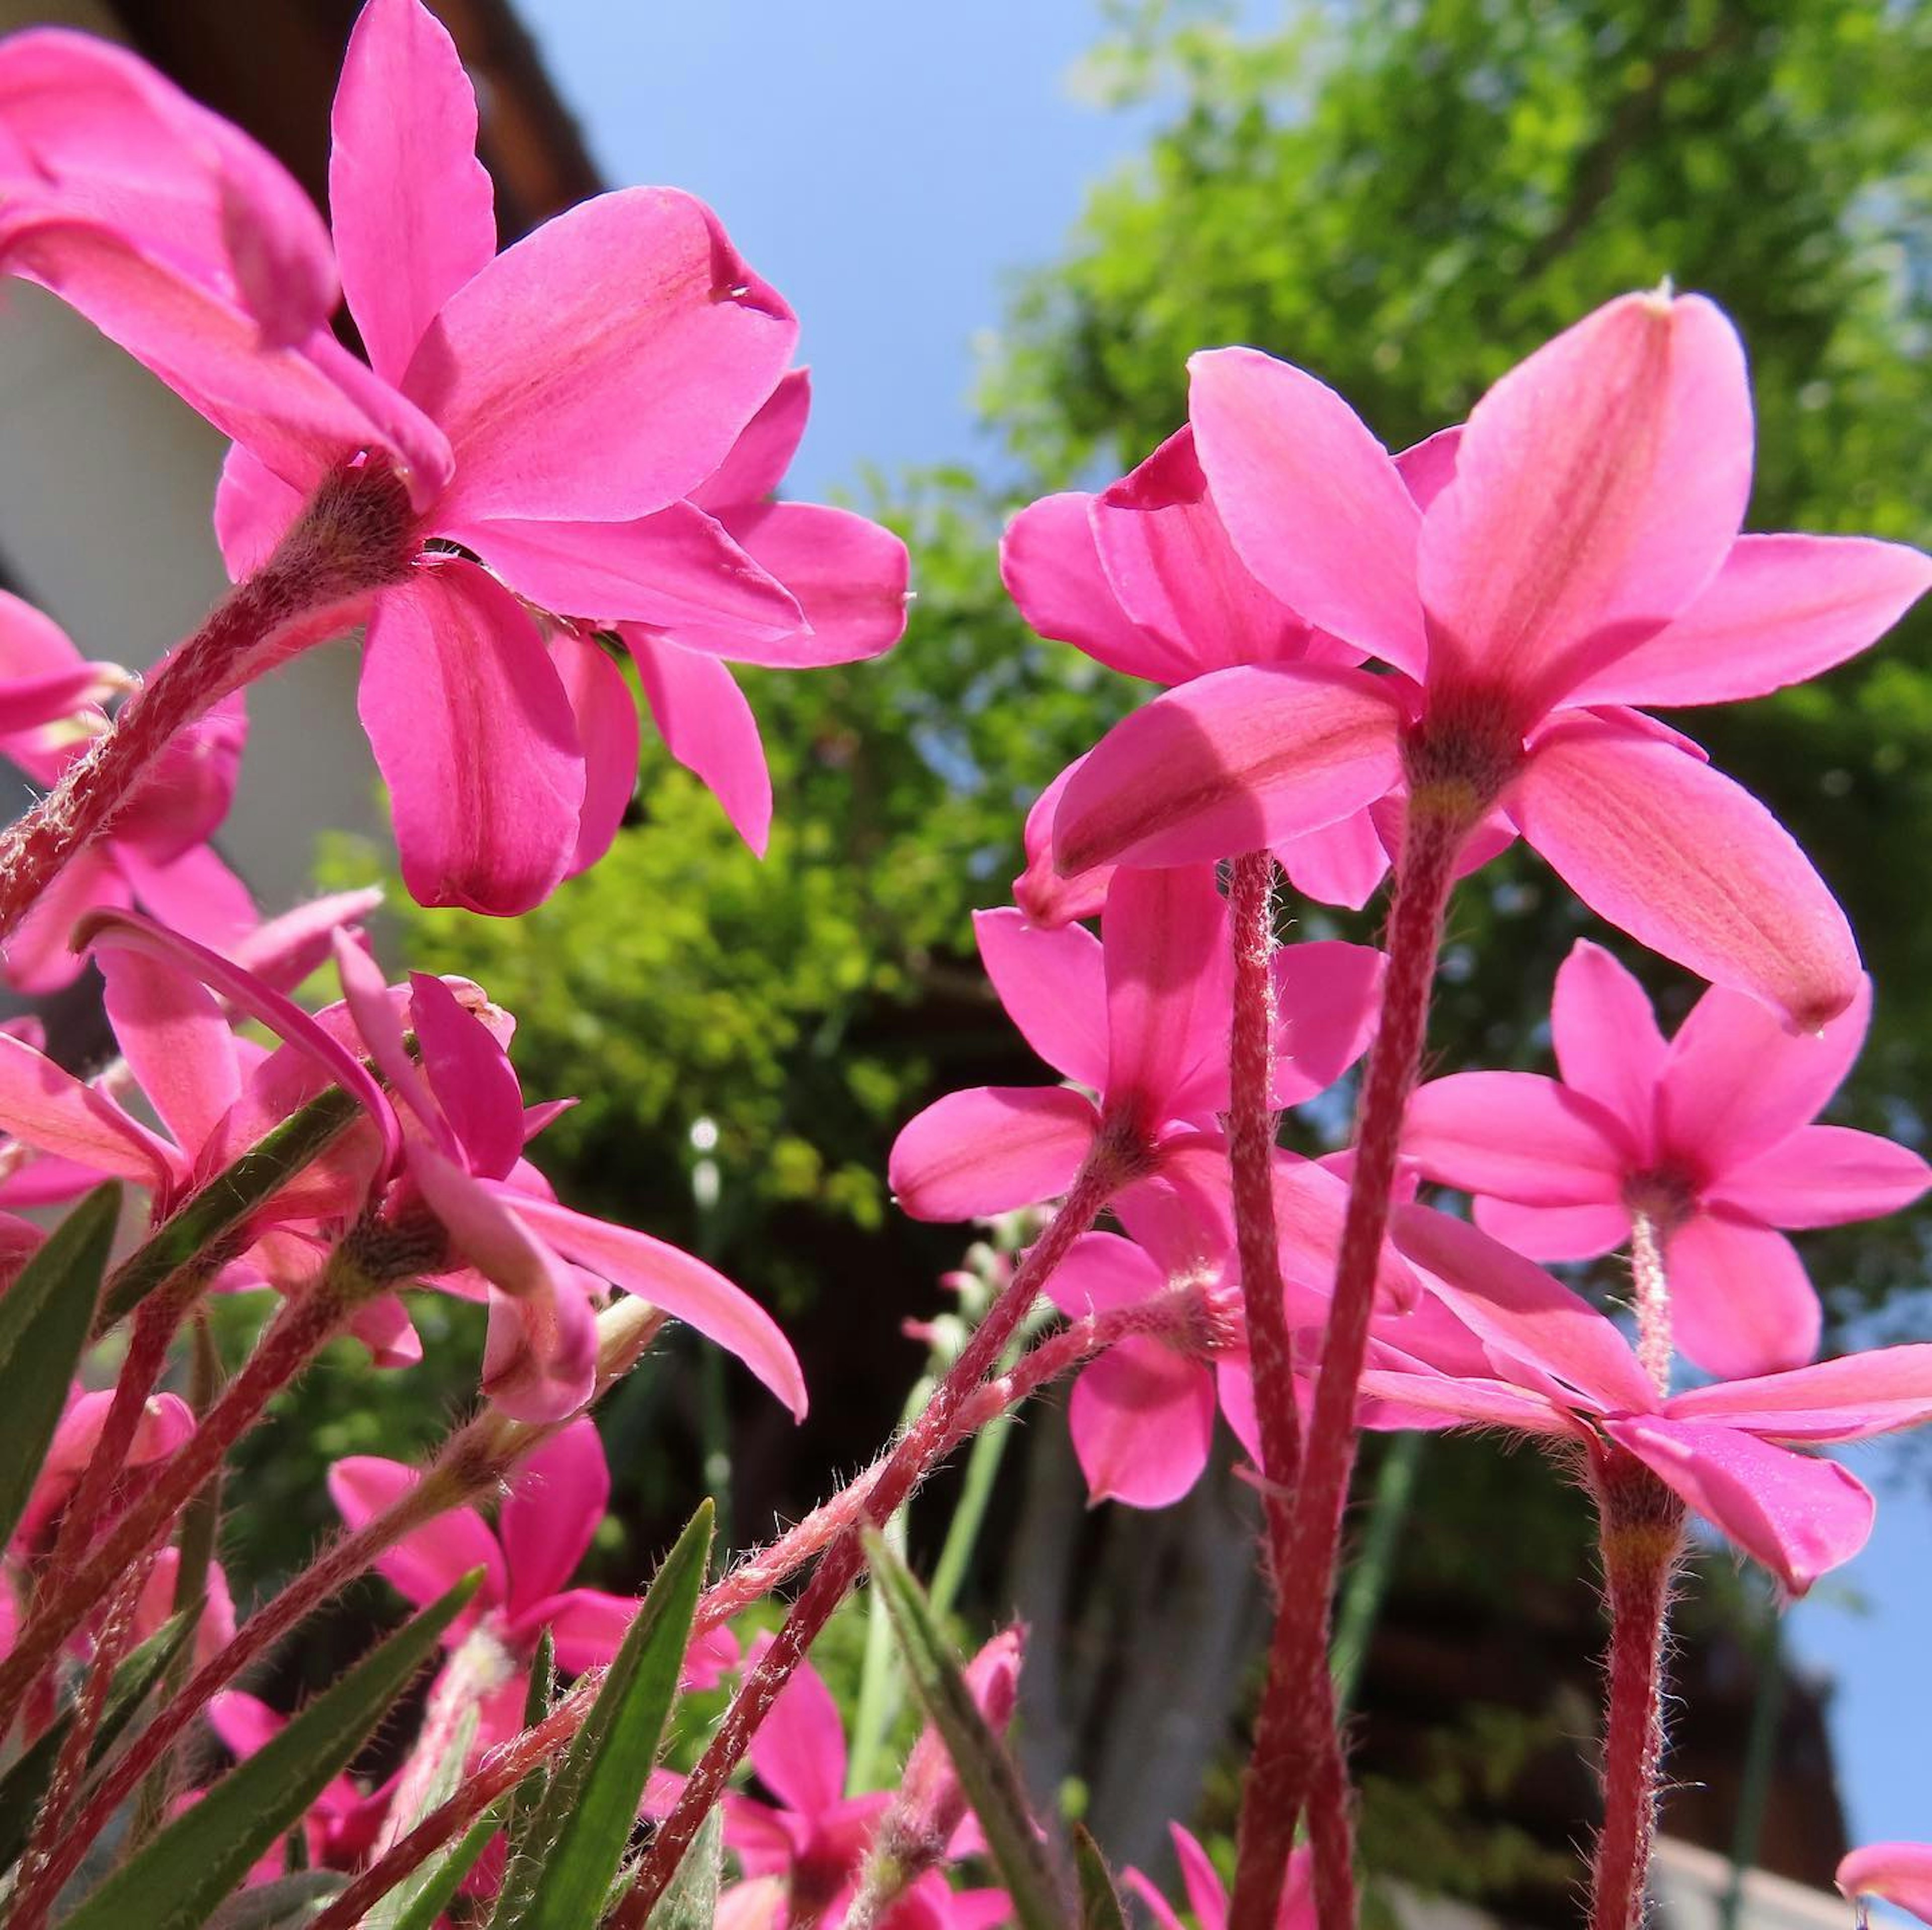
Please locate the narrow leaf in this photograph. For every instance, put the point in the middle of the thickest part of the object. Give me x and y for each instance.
(442, 1880)
(1100, 1901)
(986, 1772)
(26, 1782)
(584, 1824)
(690, 1900)
(527, 1799)
(178, 1880)
(282, 1905)
(442, 1784)
(44, 1323)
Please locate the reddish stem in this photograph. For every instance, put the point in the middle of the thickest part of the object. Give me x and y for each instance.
(1294, 1728)
(1641, 1531)
(354, 536)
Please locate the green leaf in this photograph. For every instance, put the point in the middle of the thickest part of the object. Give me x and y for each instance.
(690, 1900)
(985, 1771)
(282, 1905)
(584, 1825)
(178, 1880)
(440, 1881)
(23, 1785)
(44, 1323)
(527, 1799)
(1100, 1901)
(442, 1784)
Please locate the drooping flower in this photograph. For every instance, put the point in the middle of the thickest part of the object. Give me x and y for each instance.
(1573, 550)
(1708, 1137)
(1559, 1371)
(1900, 1873)
(1141, 1017)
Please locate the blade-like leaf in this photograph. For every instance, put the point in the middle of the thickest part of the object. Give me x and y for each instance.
(527, 1799)
(986, 1773)
(283, 1904)
(442, 1784)
(178, 1880)
(441, 1881)
(584, 1824)
(690, 1900)
(23, 1785)
(1100, 1901)
(43, 1322)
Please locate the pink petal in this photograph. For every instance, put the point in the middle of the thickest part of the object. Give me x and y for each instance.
(470, 1074)
(1901, 1873)
(474, 734)
(707, 726)
(1782, 608)
(172, 1032)
(54, 1111)
(540, 1359)
(587, 1625)
(1428, 467)
(166, 1422)
(285, 950)
(799, 1750)
(1170, 994)
(1844, 1400)
(606, 713)
(1167, 554)
(1240, 760)
(1737, 1083)
(196, 894)
(1511, 1305)
(763, 451)
(1689, 864)
(1101, 1273)
(1554, 1232)
(557, 1499)
(989, 1149)
(1142, 1417)
(40, 957)
(28, 702)
(430, 1559)
(1607, 1044)
(848, 572)
(676, 567)
(1519, 1137)
(373, 1008)
(1340, 864)
(1825, 1176)
(1598, 486)
(1206, 1896)
(1741, 1302)
(1798, 1516)
(685, 1288)
(1411, 1394)
(253, 510)
(1327, 996)
(1053, 983)
(603, 367)
(1039, 891)
(412, 206)
(1164, 1914)
(1051, 566)
(1315, 507)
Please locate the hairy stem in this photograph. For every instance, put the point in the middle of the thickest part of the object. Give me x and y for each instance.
(1641, 1528)
(1295, 1728)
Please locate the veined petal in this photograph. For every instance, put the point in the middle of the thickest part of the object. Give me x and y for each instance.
(1519, 1137)
(1545, 1233)
(1101, 1273)
(675, 566)
(1039, 891)
(1170, 994)
(989, 1149)
(1607, 1044)
(1598, 486)
(171, 1031)
(1741, 1302)
(1326, 997)
(1690, 865)
(849, 574)
(763, 451)
(470, 1074)
(1053, 983)
(1142, 1417)
(1339, 863)
(707, 725)
(1051, 566)
(283, 950)
(1782, 608)
(1798, 1515)
(557, 1499)
(1315, 507)
(1825, 1175)
(1240, 760)
(195, 894)
(606, 712)
(1736, 1083)
(1848, 1399)
(412, 206)
(473, 732)
(685, 1287)
(604, 366)
(431, 1558)
(1466, 1401)
(1168, 556)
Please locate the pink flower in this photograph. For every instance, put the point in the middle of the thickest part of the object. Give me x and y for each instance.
(167, 1420)
(1141, 1016)
(1558, 1370)
(1708, 1136)
(1573, 549)
(155, 853)
(1208, 1895)
(1901, 1873)
(340, 1827)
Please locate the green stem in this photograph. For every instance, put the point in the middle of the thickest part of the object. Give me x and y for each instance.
(1368, 1582)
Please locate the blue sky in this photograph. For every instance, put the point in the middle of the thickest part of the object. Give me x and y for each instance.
(889, 164)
